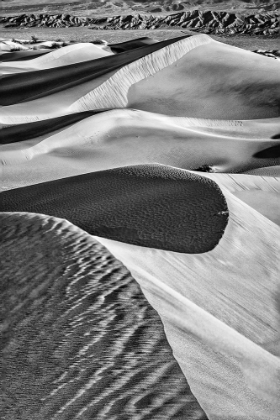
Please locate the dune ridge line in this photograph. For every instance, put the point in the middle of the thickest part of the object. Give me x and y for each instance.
(113, 92)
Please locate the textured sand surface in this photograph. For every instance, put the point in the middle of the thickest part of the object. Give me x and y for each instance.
(220, 310)
(166, 153)
(79, 339)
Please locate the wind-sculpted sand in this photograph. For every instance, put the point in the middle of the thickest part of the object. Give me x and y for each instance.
(79, 338)
(168, 155)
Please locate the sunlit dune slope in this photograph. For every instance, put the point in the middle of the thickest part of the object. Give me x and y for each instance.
(179, 78)
(173, 78)
(168, 154)
(71, 54)
(32, 85)
(98, 348)
(104, 140)
(201, 256)
(220, 311)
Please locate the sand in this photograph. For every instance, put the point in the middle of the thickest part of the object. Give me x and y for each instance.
(79, 338)
(167, 154)
(220, 311)
(123, 137)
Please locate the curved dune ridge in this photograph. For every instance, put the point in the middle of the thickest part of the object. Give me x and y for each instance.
(193, 70)
(260, 192)
(21, 55)
(22, 132)
(80, 339)
(115, 138)
(171, 77)
(167, 154)
(68, 55)
(167, 208)
(221, 313)
(33, 84)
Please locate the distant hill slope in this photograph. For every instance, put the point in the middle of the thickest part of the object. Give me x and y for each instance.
(123, 6)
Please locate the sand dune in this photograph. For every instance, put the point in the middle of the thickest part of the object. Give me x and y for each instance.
(168, 227)
(259, 192)
(71, 54)
(177, 79)
(151, 186)
(220, 311)
(32, 85)
(166, 153)
(123, 137)
(21, 55)
(172, 78)
(83, 307)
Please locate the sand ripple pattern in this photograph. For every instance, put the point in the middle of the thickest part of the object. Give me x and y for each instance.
(79, 340)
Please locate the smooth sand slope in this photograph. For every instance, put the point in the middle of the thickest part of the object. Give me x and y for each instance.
(123, 137)
(178, 79)
(168, 154)
(260, 192)
(71, 54)
(32, 85)
(172, 78)
(79, 338)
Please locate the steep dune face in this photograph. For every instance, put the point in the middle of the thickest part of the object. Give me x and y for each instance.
(222, 320)
(177, 79)
(79, 338)
(172, 78)
(167, 154)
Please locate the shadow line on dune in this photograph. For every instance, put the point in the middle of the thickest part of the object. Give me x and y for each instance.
(152, 206)
(24, 87)
(21, 132)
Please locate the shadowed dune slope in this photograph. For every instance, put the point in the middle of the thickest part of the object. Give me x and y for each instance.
(35, 84)
(78, 338)
(167, 153)
(172, 77)
(221, 313)
(149, 205)
(260, 192)
(22, 55)
(68, 55)
(22, 132)
(132, 44)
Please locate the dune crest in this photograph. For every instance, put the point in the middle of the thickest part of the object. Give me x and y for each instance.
(224, 316)
(168, 154)
(113, 93)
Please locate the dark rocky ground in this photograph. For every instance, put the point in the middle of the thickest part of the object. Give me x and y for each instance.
(211, 22)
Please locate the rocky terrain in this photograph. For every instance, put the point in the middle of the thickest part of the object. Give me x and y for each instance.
(115, 7)
(206, 21)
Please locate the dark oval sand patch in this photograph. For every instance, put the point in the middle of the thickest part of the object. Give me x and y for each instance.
(269, 153)
(153, 206)
(132, 44)
(36, 84)
(79, 339)
(21, 132)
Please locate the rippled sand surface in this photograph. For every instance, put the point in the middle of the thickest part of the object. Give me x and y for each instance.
(79, 338)
(159, 159)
